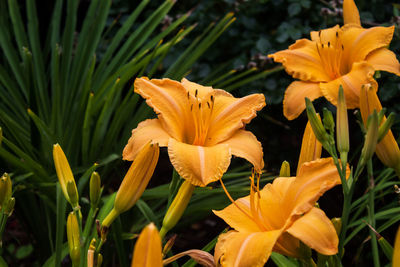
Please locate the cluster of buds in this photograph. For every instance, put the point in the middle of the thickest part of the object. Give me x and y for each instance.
(7, 202)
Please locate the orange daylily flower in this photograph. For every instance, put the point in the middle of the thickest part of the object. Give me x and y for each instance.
(346, 56)
(278, 217)
(201, 126)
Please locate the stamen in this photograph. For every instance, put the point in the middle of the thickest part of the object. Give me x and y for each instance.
(188, 95)
(234, 202)
(208, 104)
(199, 105)
(212, 98)
(195, 93)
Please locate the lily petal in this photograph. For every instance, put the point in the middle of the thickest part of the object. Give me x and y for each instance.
(302, 61)
(146, 131)
(326, 35)
(274, 211)
(312, 181)
(361, 73)
(230, 114)
(202, 91)
(197, 164)
(350, 13)
(234, 216)
(245, 145)
(168, 98)
(316, 231)
(384, 59)
(147, 251)
(245, 249)
(359, 42)
(294, 100)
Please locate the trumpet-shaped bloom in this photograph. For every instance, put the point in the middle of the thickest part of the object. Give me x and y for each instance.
(278, 217)
(201, 126)
(346, 56)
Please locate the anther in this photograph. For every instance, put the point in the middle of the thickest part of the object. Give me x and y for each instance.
(191, 107)
(188, 95)
(342, 47)
(208, 104)
(337, 34)
(319, 34)
(329, 44)
(322, 45)
(212, 98)
(196, 92)
(199, 105)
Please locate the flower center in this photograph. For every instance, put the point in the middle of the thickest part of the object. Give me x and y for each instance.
(201, 110)
(330, 51)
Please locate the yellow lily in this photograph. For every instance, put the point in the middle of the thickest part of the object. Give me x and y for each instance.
(278, 217)
(346, 56)
(147, 251)
(201, 126)
(387, 149)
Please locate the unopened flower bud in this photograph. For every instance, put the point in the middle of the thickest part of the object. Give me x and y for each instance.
(73, 237)
(316, 124)
(285, 169)
(147, 251)
(5, 190)
(385, 126)
(72, 193)
(371, 139)
(95, 189)
(386, 247)
(337, 223)
(311, 148)
(64, 174)
(135, 181)
(9, 207)
(342, 131)
(177, 207)
(387, 149)
(328, 120)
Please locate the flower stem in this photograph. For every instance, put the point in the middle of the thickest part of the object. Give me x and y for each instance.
(371, 213)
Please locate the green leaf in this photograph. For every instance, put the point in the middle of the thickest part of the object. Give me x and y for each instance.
(23, 251)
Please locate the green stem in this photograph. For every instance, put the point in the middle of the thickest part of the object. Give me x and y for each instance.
(371, 213)
(3, 221)
(60, 225)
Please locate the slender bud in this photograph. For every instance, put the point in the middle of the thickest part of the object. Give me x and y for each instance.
(5, 190)
(99, 260)
(177, 207)
(337, 223)
(73, 239)
(316, 124)
(329, 122)
(371, 139)
(9, 207)
(285, 169)
(311, 148)
(135, 181)
(64, 174)
(342, 131)
(385, 126)
(72, 193)
(95, 189)
(387, 150)
(147, 251)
